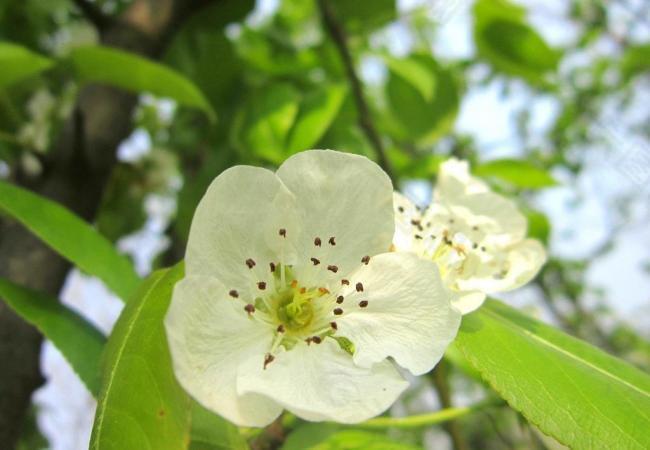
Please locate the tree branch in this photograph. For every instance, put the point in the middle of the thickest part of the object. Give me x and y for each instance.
(337, 33)
(93, 14)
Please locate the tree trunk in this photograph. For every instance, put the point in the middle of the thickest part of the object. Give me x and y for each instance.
(74, 175)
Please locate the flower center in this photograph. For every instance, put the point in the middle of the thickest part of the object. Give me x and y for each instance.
(293, 307)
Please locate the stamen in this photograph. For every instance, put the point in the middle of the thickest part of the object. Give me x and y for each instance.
(261, 285)
(345, 282)
(334, 325)
(250, 263)
(415, 222)
(451, 221)
(417, 236)
(294, 283)
(282, 232)
(250, 309)
(315, 261)
(363, 303)
(365, 260)
(333, 268)
(339, 299)
(338, 311)
(475, 228)
(233, 293)
(323, 290)
(475, 245)
(482, 249)
(268, 359)
(400, 209)
(359, 287)
(316, 340)
(317, 242)
(303, 290)
(332, 241)
(308, 340)
(272, 266)
(280, 329)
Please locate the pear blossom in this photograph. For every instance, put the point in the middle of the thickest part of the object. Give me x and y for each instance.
(476, 237)
(292, 300)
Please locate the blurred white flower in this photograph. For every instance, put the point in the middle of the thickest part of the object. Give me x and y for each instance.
(476, 237)
(289, 300)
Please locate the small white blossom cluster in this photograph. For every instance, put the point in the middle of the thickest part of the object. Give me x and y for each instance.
(292, 298)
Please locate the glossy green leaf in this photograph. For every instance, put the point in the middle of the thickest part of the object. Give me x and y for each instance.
(636, 61)
(539, 226)
(317, 111)
(504, 38)
(137, 74)
(141, 405)
(80, 342)
(308, 435)
(570, 390)
(360, 440)
(17, 63)
(73, 238)
(423, 99)
(520, 173)
(364, 16)
(211, 432)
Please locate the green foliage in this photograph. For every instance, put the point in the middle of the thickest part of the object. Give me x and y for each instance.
(570, 390)
(211, 432)
(519, 173)
(423, 99)
(70, 236)
(137, 360)
(137, 74)
(635, 61)
(505, 40)
(18, 62)
(539, 226)
(359, 16)
(360, 440)
(79, 342)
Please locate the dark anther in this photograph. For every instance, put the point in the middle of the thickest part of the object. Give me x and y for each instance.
(333, 268)
(268, 359)
(272, 266)
(250, 309)
(433, 236)
(345, 282)
(363, 303)
(474, 245)
(315, 261)
(417, 236)
(365, 260)
(317, 242)
(475, 228)
(334, 325)
(332, 241)
(359, 287)
(451, 220)
(308, 340)
(250, 263)
(261, 285)
(233, 293)
(282, 232)
(339, 299)
(482, 249)
(415, 222)
(400, 209)
(280, 328)
(316, 340)
(338, 311)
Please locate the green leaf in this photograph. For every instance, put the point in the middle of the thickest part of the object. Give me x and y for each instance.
(635, 61)
(570, 390)
(539, 226)
(70, 236)
(364, 16)
(18, 62)
(504, 38)
(423, 99)
(137, 74)
(520, 173)
(360, 440)
(141, 405)
(317, 111)
(308, 435)
(80, 343)
(211, 432)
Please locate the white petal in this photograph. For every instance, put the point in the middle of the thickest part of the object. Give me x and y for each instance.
(409, 316)
(454, 180)
(405, 214)
(210, 338)
(497, 217)
(320, 382)
(521, 262)
(469, 301)
(238, 219)
(344, 196)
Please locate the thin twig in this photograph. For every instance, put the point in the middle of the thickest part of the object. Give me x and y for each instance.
(93, 14)
(337, 33)
(441, 383)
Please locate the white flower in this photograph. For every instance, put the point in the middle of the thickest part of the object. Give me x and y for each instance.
(476, 237)
(289, 300)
